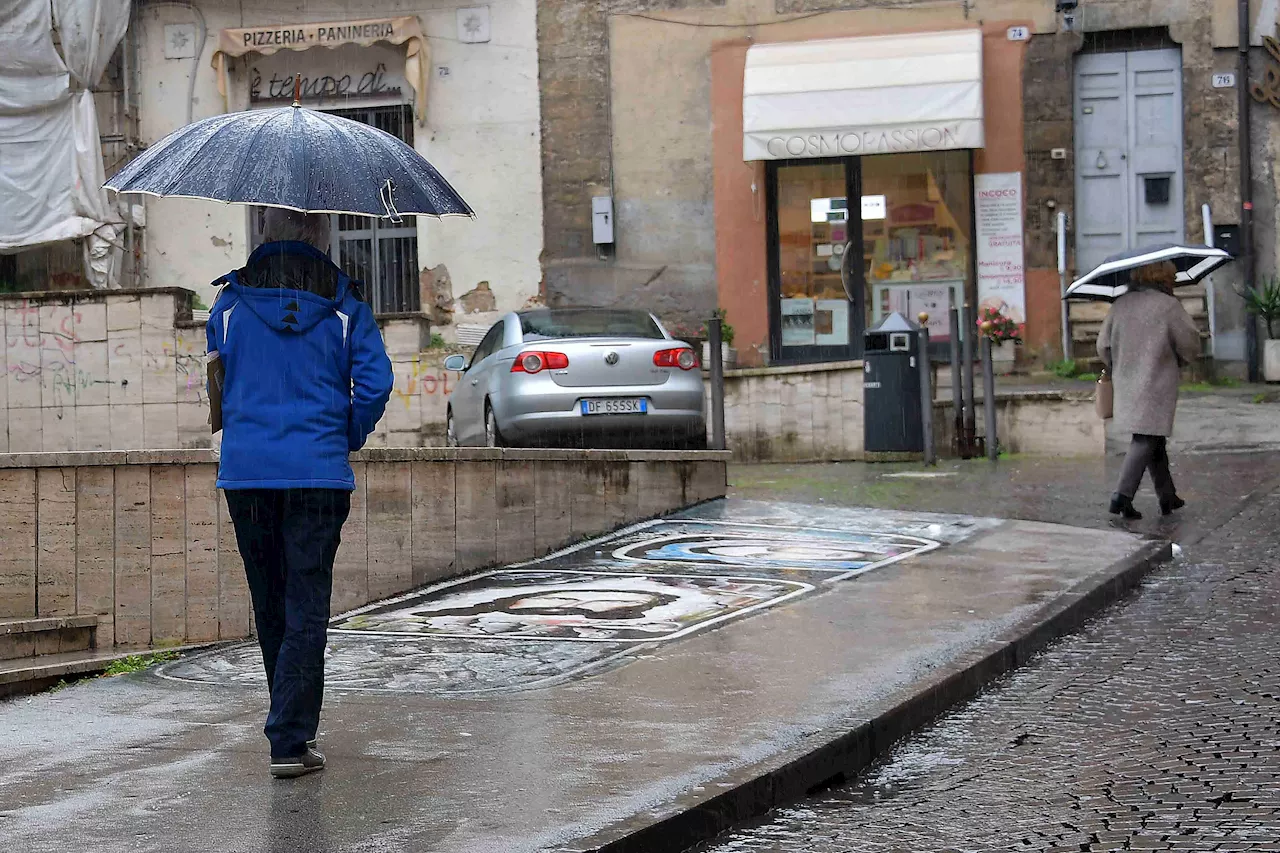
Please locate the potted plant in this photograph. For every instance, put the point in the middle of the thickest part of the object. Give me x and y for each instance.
(728, 354)
(1004, 335)
(1264, 303)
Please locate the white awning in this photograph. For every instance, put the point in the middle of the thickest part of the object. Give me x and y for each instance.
(856, 96)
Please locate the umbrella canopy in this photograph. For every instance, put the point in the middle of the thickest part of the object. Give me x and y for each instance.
(1110, 279)
(296, 158)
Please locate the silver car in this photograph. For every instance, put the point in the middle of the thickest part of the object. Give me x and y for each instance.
(578, 376)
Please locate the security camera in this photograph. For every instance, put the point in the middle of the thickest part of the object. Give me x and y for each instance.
(1067, 5)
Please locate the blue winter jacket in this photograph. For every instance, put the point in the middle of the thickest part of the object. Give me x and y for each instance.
(307, 374)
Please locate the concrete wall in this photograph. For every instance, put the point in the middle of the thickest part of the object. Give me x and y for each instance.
(482, 132)
(143, 540)
(795, 414)
(816, 413)
(1035, 423)
(125, 370)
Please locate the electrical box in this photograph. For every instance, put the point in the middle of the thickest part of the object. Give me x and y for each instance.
(1227, 238)
(602, 220)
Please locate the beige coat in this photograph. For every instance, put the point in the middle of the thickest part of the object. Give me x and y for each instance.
(1145, 340)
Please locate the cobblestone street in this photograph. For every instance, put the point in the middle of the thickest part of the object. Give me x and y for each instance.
(1156, 728)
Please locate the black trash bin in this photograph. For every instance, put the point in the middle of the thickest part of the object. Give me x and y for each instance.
(891, 387)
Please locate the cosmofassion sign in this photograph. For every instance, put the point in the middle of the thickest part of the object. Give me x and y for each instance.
(846, 142)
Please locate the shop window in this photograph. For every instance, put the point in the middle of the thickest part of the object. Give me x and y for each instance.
(917, 251)
(381, 254)
(908, 243)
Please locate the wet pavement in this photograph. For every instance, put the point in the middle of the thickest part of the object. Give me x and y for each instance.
(1071, 491)
(599, 689)
(1156, 728)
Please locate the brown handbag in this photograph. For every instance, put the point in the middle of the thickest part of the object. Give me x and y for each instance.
(1104, 397)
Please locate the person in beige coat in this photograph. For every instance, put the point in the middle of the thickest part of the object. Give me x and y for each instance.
(1145, 342)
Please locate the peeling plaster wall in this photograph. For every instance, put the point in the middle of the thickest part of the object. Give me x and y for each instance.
(483, 133)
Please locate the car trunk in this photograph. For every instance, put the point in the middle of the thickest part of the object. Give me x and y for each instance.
(597, 363)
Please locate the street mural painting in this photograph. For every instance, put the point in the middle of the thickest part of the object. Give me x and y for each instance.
(765, 548)
(575, 606)
(589, 608)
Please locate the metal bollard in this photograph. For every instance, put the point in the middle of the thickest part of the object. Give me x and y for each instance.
(969, 327)
(989, 400)
(717, 383)
(957, 389)
(926, 393)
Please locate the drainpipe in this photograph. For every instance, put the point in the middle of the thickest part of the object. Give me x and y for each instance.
(1246, 185)
(1210, 290)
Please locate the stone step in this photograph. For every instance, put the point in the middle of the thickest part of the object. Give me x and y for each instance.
(50, 635)
(33, 674)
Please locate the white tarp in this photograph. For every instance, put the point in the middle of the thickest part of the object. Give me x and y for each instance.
(858, 96)
(51, 171)
(90, 31)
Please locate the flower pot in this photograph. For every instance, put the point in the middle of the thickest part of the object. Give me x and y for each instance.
(1004, 354)
(1271, 361)
(728, 355)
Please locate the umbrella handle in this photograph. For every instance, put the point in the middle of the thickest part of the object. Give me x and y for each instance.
(386, 194)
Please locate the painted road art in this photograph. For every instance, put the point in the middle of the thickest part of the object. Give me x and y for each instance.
(593, 607)
(582, 610)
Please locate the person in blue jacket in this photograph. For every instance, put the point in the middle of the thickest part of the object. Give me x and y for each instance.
(305, 379)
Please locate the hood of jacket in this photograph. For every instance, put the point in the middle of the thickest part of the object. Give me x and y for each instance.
(291, 286)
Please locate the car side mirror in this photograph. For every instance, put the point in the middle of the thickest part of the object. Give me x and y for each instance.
(456, 363)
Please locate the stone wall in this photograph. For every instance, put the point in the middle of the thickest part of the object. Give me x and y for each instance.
(1035, 423)
(794, 414)
(143, 541)
(101, 370)
(816, 413)
(125, 370)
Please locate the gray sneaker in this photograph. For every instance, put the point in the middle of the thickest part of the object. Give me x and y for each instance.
(291, 768)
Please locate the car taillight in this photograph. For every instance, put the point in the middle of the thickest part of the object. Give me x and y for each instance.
(683, 358)
(536, 362)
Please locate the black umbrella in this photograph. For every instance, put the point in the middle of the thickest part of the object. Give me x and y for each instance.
(296, 158)
(1110, 280)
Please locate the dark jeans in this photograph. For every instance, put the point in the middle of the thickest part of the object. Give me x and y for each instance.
(288, 539)
(1147, 453)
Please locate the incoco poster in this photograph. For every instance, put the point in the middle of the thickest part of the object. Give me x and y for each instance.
(1001, 268)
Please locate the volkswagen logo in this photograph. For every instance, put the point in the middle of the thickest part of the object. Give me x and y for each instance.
(611, 359)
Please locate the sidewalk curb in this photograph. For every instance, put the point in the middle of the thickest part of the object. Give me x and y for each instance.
(839, 753)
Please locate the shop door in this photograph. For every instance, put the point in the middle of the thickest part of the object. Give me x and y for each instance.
(812, 319)
(1128, 129)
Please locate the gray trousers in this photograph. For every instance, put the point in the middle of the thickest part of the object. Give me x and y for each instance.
(1147, 453)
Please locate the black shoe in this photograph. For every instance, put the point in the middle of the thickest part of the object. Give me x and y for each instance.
(1170, 506)
(291, 768)
(1120, 505)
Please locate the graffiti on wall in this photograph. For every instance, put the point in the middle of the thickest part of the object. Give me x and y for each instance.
(421, 380)
(46, 352)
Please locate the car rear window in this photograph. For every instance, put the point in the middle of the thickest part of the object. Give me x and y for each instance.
(582, 323)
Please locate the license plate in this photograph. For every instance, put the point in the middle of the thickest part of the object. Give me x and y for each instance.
(630, 406)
